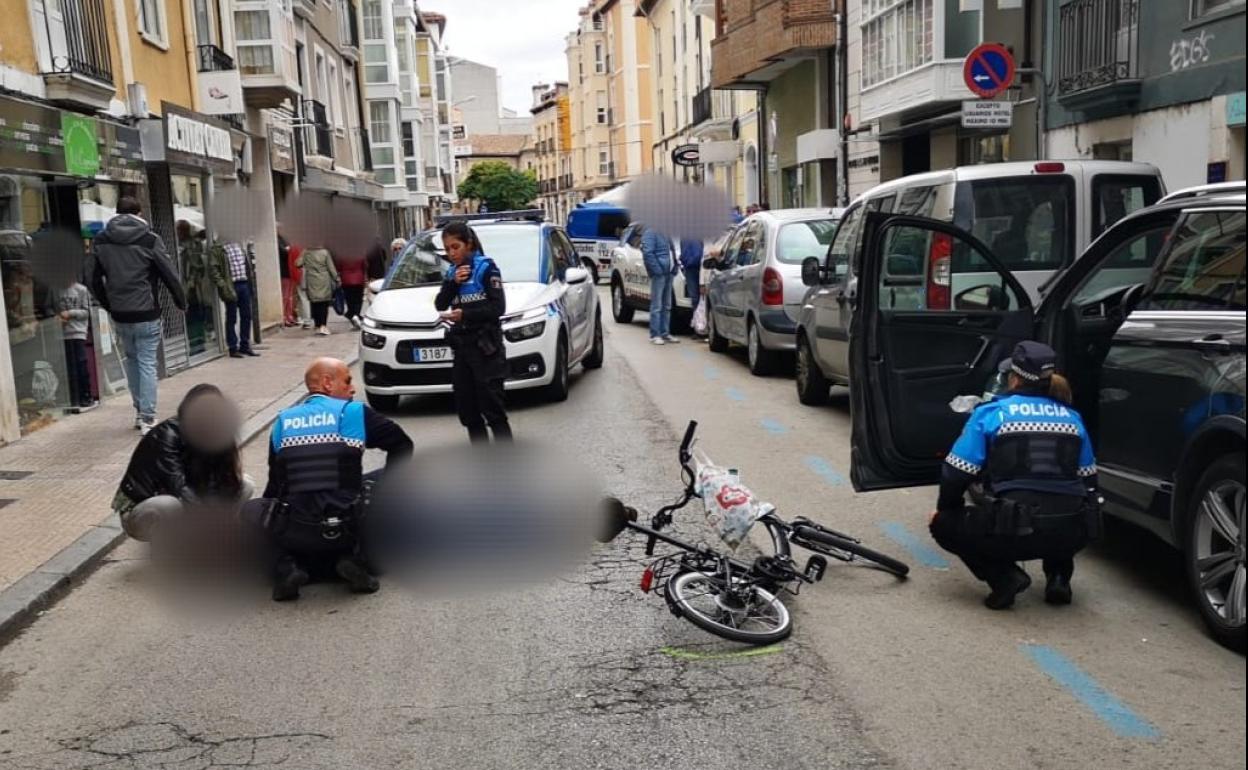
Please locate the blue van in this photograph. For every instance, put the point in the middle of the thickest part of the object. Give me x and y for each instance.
(595, 230)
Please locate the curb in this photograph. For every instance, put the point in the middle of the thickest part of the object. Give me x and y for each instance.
(24, 601)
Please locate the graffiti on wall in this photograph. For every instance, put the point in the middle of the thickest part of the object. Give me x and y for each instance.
(1190, 52)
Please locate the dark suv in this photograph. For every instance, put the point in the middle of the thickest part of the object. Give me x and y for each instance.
(1149, 324)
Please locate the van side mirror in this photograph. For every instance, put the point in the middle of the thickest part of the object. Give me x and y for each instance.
(811, 271)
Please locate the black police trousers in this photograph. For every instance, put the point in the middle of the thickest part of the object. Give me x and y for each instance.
(477, 381)
(991, 558)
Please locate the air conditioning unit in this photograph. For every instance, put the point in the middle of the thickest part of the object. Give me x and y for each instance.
(136, 100)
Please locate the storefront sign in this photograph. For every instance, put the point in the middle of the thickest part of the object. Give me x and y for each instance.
(192, 139)
(222, 92)
(81, 145)
(1235, 109)
(686, 155)
(281, 150)
(986, 114)
(45, 140)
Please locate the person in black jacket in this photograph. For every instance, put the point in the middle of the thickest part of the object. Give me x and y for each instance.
(127, 266)
(472, 300)
(188, 461)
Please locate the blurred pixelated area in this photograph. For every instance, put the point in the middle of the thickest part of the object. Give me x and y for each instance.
(677, 209)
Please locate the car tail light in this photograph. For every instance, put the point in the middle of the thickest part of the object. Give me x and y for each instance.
(773, 287)
(939, 271)
(1050, 168)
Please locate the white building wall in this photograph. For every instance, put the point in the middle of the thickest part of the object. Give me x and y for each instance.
(863, 173)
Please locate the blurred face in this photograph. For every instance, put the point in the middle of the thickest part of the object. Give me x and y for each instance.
(458, 251)
(210, 424)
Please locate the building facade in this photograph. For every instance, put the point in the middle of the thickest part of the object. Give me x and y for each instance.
(483, 112)
(552, 135)
(593, 168)
(1149, 80)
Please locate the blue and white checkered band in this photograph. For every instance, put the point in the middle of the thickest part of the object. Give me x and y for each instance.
(1029, 376)
(1069, 428)
(963, 465)
(320, 438)
(1087, 470)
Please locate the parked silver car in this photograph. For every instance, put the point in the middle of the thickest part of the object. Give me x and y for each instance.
(756, 290)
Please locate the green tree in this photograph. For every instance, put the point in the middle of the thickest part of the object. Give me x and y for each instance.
(499, 186)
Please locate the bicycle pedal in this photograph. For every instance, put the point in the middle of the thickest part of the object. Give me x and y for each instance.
(816, 566)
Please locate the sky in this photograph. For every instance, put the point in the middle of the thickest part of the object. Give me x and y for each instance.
(524, 39)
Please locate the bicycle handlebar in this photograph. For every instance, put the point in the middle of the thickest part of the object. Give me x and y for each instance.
(688, 440)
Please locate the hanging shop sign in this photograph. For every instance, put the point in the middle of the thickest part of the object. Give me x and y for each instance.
(81, 145)
(281, 150)
(686, 155)
(192, 139)
(223, 92)
(46, 140)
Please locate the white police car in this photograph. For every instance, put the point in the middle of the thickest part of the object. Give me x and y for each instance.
(552, 322)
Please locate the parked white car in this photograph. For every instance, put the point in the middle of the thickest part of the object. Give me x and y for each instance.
(553, 320)
(755, 290)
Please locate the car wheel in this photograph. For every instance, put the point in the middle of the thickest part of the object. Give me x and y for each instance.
(557, 390)
(382, 402)
(620, 311)
(812, 386)
(762, 361)
(718, 343)
(1214, 548)
(593, 359)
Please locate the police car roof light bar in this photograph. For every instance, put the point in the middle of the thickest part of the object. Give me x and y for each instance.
(535, 215)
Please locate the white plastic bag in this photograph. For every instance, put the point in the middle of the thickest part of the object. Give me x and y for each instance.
(699, 318)
(731, 508)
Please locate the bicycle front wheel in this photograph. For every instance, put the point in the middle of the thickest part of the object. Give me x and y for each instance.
(746, 614)
(856, 550)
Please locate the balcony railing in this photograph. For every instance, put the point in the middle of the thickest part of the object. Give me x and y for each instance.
(1099, 45)
(79, 43)
(320, 138)
(703, 108)
(213, 59)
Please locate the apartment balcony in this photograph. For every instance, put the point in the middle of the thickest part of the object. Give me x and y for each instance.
(931, 87)
(320, 137)
(349, 31)
(1098, 58)
(80, 70)
(760, 39)
(265, 52)
(304, 8)
(213, 59)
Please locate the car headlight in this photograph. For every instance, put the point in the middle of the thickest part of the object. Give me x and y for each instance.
(370, 340)
(369, 322)
(525, 332)
(527, 315)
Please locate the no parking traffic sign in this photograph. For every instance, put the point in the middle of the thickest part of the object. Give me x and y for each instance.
(988, 70)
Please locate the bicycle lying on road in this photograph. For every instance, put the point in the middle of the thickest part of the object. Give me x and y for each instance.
(724, 595)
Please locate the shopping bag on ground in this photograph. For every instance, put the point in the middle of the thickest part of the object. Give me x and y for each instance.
(340, 301)
(699, 319)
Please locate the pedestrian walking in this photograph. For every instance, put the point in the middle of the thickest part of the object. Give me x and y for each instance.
(320, 281)
(1031, 459)
(189, 462)
(377, 260)
(472, 301)
(127, 266)
(73, 308)
(353, 274)
(288, 284)
(661, 265)
(238, 310)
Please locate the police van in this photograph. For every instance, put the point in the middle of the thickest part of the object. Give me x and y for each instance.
(595, 230)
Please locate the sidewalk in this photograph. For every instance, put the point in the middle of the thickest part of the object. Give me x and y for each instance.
(56, 516)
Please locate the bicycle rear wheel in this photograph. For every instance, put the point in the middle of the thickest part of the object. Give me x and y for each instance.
(856, 550)
(748, 614)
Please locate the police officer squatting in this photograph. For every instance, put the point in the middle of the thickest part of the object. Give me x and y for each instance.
(472, 301)
(1025, 460)
(314, 508)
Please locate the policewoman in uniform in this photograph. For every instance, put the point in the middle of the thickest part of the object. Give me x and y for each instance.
(312, 509)
(472, 300)
(1026, 460)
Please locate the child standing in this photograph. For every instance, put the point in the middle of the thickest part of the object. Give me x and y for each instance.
(73, 304)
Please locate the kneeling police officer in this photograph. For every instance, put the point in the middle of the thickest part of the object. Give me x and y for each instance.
(1026, 460)
(313, 505)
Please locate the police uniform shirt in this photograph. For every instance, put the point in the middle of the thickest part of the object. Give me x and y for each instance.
(481, 297)
(1023, 416)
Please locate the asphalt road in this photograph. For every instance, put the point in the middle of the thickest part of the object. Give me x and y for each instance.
(584, 671)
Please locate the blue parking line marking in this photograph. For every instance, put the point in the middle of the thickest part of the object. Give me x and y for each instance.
(921, 551)
(734, 394)
(773, 427)
(688, 354)
(711, 373)
(824, 470)
(1120, 718)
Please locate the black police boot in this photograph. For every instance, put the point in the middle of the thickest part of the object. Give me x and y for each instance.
(1057, 590)
(352, 571)
(290, 578)
(1006, 588)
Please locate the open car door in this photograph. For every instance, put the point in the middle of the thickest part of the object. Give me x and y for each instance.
(917, 344)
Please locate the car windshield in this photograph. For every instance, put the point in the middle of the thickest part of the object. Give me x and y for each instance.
(799, 240)
(516, 249)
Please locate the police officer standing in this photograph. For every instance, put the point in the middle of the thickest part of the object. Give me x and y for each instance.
(316, 478)
(472, 300)
(1027, 462)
